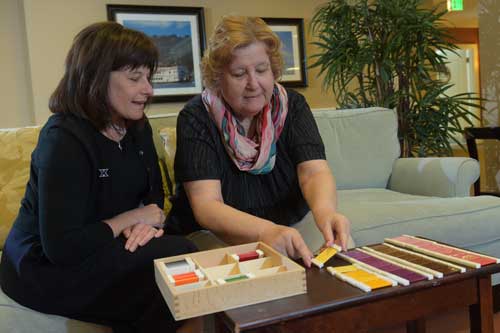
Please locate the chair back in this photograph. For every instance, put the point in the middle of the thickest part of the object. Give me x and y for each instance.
(483, 144)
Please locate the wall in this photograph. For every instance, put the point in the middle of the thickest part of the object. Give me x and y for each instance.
(15, 85)
(466, 18)
(36, 35)
(489, 49)
(42, 32)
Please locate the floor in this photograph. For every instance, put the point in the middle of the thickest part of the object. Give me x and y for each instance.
(456, 321)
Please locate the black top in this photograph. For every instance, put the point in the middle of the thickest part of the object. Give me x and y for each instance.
(78, 178)
(275, 196)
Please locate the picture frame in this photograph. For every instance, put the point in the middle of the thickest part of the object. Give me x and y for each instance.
(179, 34)
(291, 33)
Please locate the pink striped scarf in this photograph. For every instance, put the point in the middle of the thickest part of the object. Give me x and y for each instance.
(256, 156)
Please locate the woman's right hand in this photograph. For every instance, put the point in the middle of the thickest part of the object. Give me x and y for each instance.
(287, 241)
(151, 215)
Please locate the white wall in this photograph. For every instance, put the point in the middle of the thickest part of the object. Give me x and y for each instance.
(489, 51)
(15, 84)
(35, 36)
(42, 32)
(466, 18)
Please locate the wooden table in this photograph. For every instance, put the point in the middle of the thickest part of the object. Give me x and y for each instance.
(334, 306)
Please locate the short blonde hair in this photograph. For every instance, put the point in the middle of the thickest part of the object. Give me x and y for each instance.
(234, 32)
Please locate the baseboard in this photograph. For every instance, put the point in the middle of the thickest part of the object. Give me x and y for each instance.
(496, 298)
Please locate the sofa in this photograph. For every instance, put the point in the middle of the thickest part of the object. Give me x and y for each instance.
(383, 195)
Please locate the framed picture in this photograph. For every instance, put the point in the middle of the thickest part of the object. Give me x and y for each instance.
(291, 33)
(179, 34)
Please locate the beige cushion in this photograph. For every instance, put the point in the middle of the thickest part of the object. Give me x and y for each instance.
(16, 146)
(19, 319)
(361, 145)
(168, 137)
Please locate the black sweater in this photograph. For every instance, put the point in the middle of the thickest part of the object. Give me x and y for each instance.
(72, 187)
(275, 196)
(59, 254)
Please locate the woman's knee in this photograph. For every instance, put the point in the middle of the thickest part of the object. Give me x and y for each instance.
(176, 245)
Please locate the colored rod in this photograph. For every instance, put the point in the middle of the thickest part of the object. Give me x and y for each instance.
(460, 256)
(325, 255)
(183, 275)
(187, 280)
(251, 255)
(236, 278)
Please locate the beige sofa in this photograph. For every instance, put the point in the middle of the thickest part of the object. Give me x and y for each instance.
(382, 194)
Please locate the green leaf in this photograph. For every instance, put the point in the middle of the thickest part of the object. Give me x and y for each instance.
(389, 53)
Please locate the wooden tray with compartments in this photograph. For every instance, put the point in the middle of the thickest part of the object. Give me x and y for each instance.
(205, 282)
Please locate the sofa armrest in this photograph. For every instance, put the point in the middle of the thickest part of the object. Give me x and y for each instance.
(431, 176)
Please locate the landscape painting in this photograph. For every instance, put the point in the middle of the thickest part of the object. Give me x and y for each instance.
(290, 54)
(176, 33)
(291, 33)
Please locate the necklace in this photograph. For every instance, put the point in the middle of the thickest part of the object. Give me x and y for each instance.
(115, 133)
(120, 131)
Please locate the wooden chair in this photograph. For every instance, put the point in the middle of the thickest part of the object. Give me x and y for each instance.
(472, 134)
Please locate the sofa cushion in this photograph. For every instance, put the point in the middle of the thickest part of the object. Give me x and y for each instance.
(168, 138)
(379, 213)
(361, 145)
(158, 123)
(468, 222)
(434, 176)
(371, 133)
(17, 318)
(16, 146)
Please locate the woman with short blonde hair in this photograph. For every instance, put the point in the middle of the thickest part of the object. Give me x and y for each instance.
(234, 32)
(249, 159)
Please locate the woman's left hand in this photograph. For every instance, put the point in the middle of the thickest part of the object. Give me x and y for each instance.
(139, 235)
(336, 228)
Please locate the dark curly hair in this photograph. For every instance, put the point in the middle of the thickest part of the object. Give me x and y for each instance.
(96, 51)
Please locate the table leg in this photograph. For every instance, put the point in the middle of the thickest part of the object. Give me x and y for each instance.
(220, 327)
(481, 314)
(416, 326)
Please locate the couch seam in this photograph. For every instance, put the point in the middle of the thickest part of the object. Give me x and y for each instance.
(353, 114)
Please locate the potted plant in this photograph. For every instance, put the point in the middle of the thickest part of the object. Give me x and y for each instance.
(391, 53)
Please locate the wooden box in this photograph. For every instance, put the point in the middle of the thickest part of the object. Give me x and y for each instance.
(272, 276)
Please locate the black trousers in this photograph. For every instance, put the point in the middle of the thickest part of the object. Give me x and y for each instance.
(118, 288)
